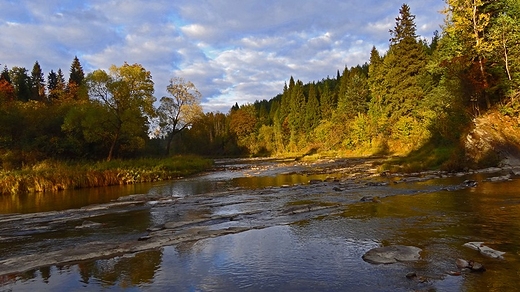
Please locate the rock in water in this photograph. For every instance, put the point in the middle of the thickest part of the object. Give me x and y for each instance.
(392, 254)
(462, 264)
(485, 250)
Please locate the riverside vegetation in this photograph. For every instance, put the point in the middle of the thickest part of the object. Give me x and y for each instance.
(57, 175)
(422, 101)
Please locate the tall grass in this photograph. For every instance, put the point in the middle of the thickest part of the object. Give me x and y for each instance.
(51, 175)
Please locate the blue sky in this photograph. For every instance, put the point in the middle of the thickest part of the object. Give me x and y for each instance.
(232, 50)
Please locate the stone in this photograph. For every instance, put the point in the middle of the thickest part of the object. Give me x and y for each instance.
(506, 177)
(462, 264)
(477, 267)
(392, 254)
(485, 250)
(470, 183)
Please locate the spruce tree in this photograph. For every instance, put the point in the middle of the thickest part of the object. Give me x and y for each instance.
(76, 72)
(326, 101)
(312, 110)
(405, 61)
(75, 88)
(5, 75)
(37, 83)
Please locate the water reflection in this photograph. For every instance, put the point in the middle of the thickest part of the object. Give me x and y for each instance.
(255, 182)
(123, 272)
(67, 199)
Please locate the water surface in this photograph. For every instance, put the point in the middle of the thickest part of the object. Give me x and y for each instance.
(319, 254)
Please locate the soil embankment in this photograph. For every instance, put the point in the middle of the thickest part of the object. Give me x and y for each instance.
(493, 140)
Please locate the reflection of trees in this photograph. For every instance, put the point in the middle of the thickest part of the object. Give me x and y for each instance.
(67, 199)
(123, 271)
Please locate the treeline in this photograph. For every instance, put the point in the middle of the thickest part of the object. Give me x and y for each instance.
(417, 93)
(100, 115)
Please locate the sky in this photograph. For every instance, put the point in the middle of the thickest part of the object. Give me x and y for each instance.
(234, 51)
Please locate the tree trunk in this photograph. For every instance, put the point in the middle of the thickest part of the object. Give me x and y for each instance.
(111, 151)
(169, 140)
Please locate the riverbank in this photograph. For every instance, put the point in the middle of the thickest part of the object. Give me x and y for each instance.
(58, 175)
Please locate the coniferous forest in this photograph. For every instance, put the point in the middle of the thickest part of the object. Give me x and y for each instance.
(421, 93)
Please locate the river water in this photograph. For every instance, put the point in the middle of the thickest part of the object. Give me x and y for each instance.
(313, 253)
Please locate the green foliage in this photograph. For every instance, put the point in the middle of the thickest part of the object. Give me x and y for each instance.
(417, 98)
(126, 95)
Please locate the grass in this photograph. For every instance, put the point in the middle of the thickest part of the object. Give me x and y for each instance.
(51, 175)
(428, 157)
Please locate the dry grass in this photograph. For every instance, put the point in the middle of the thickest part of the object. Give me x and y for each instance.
(55, 175)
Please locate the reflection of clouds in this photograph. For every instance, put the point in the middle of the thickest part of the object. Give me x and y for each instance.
(273, 258)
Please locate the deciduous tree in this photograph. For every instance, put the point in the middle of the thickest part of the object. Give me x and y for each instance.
(179, 110)
(126, 93)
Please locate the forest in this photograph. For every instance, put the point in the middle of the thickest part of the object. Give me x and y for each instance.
(419, 94)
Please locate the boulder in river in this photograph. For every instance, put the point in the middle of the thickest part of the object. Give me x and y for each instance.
(392, 254)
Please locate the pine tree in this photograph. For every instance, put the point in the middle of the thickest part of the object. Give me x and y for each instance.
(326, 101)
(75, 86)
(296, 117)
(5, 75)
(37, 83)
(357, 95)
(403, 64)
(76, 72)
(312, 110)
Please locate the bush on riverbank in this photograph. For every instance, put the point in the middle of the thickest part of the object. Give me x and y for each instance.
(51, 175)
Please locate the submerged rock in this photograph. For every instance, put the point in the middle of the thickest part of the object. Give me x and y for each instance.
(392, 254)
(88, 224)
(506, 177)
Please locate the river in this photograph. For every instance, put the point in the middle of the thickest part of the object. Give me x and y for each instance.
(265, 225)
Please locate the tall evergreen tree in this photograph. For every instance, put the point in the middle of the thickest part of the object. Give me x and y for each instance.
(312, 110)
(5, 75)
(405, 61)
(357, 95)
(326, 101)
(75, 87)
(76, 72)
(37, 83)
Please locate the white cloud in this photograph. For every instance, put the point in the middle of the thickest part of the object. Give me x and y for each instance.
(233, 51)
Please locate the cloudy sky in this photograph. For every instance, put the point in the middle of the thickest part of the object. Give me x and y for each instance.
(232, 50)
